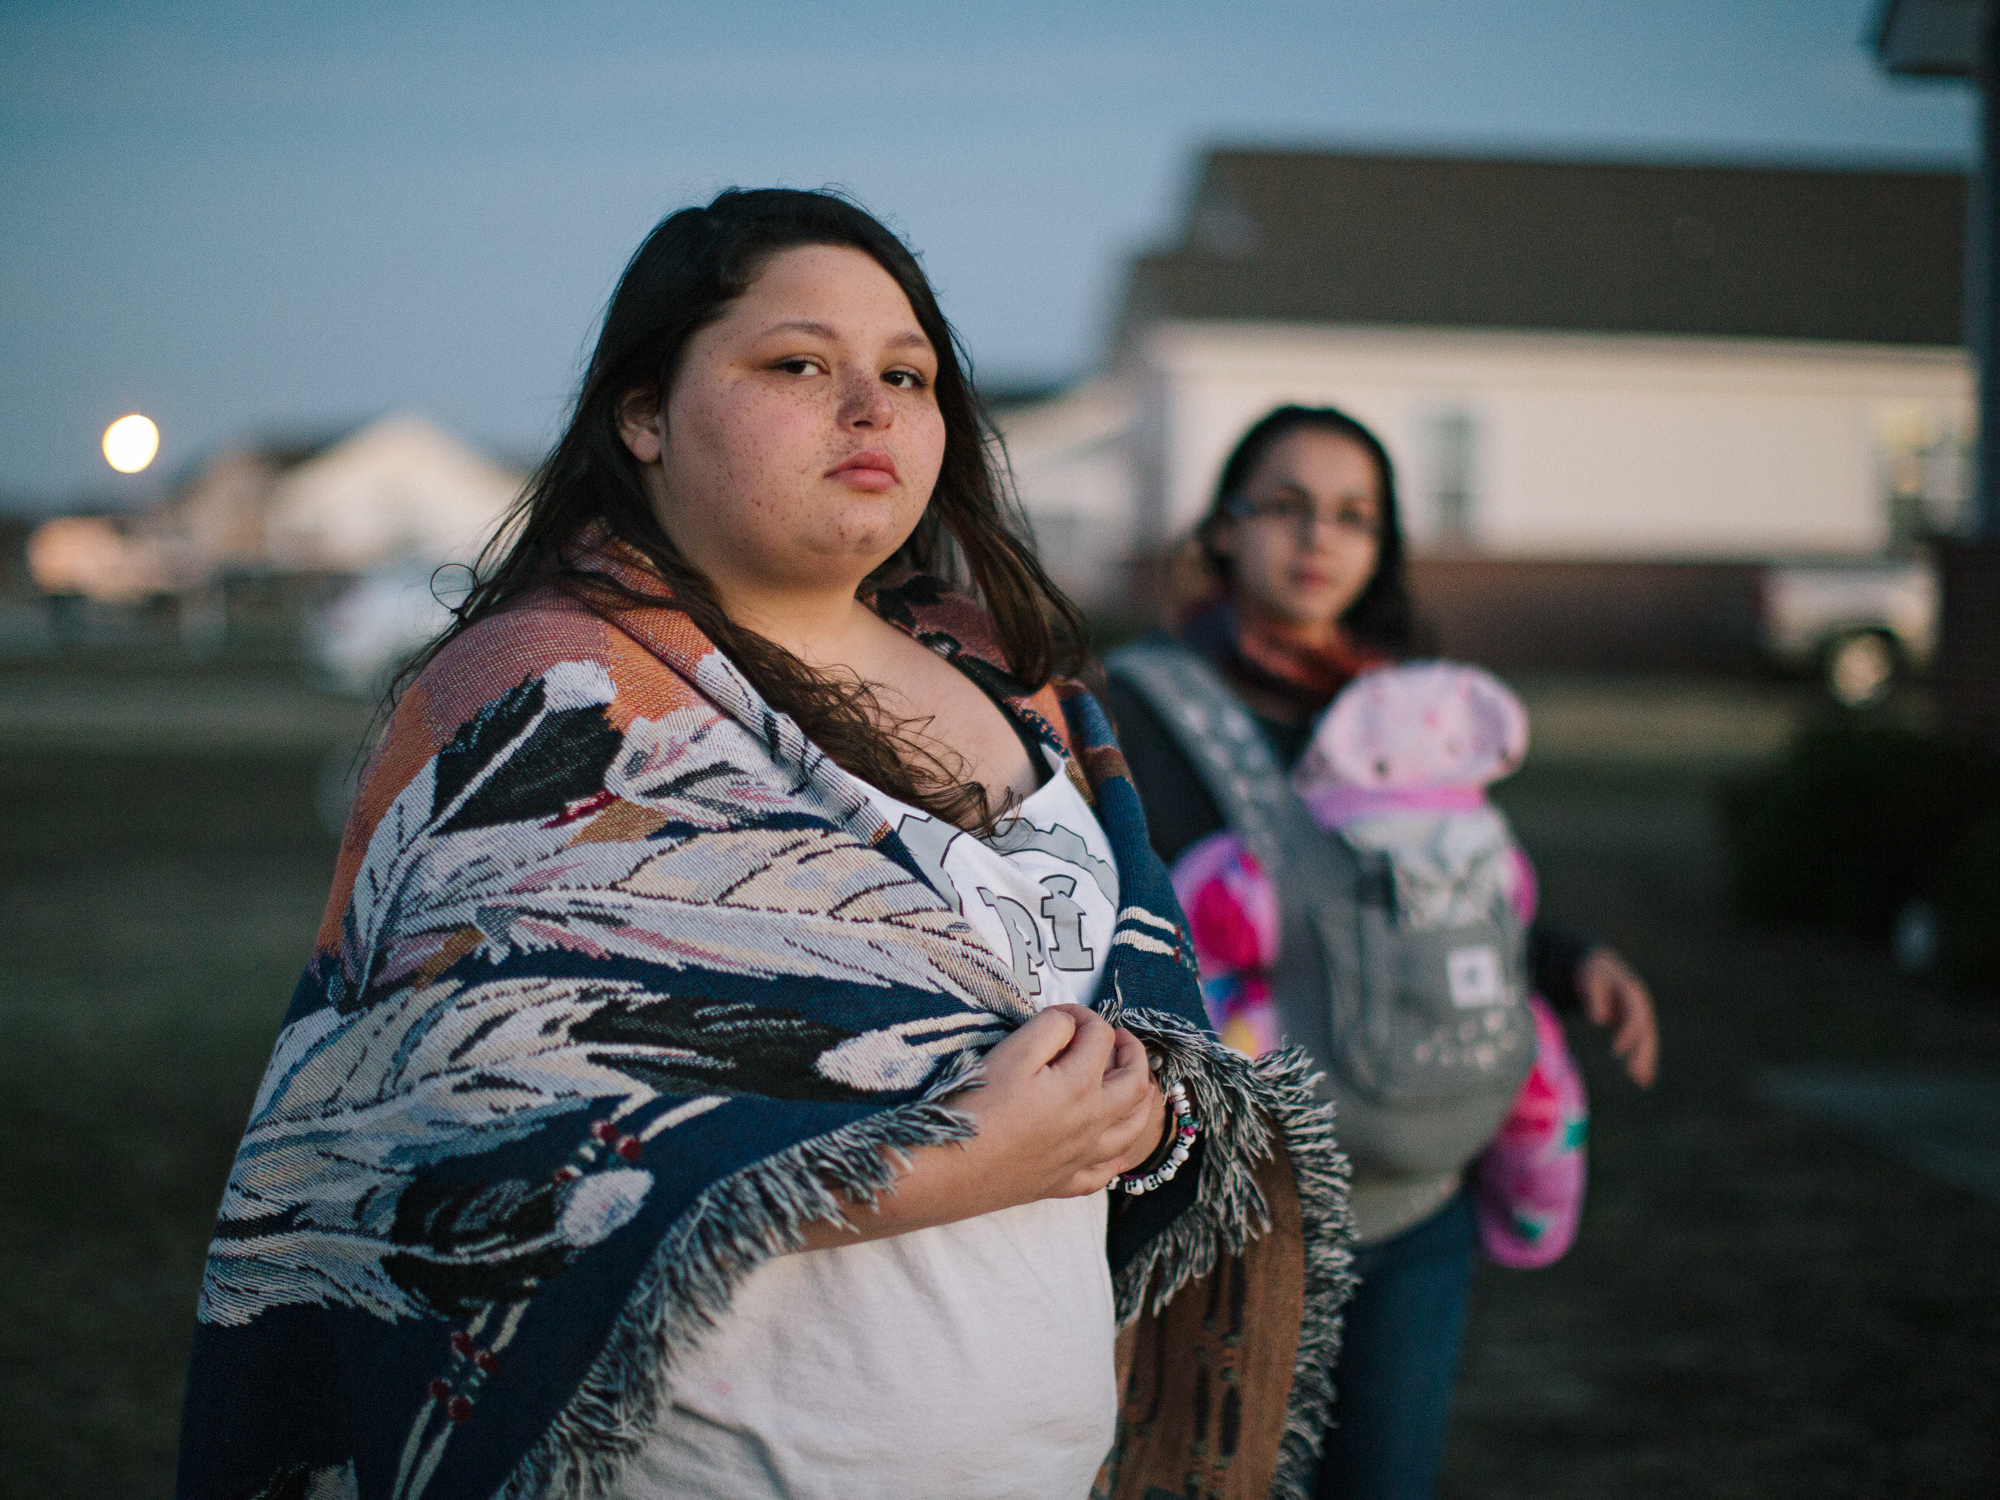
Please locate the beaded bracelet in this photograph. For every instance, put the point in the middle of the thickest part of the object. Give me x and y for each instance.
(1181, 1133)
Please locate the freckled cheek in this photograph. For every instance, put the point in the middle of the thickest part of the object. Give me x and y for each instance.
(754, 455)
(926, 451)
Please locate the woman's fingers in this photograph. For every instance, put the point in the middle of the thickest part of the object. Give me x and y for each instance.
(1098, 1175)
(1038, 1041)
(1088, 1052)
(1139, 1125)
(1074, 1100)
(1127, 1052)
(1129, 1085)
(1129, 1094)
(1136, 1136)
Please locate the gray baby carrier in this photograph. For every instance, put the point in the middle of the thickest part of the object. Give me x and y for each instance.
(1423, 1031)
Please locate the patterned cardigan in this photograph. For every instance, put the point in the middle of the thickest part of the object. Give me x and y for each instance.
(621, 985)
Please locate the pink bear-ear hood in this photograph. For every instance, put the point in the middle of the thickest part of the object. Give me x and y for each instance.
(1420, 727)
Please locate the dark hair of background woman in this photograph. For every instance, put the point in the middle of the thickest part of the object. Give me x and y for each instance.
(1381, 615)
(691, 267)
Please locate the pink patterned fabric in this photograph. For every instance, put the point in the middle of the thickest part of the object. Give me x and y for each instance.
(1423, 738)
(1427, 726)
(1341, 802)
(1527, 1187)
(1232, 912)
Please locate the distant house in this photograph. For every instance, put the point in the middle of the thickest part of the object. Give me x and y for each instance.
(396, 492)
(1072, 463)
(1572, 363)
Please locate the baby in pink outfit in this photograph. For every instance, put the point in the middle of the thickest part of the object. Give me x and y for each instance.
(1400, 762)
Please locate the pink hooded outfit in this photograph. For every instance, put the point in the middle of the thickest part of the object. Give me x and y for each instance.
(1400, 763)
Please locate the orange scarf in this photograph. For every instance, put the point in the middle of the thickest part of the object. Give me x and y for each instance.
(1266, 656)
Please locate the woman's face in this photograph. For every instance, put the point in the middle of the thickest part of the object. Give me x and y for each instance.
(1308, 536)
(801, 438)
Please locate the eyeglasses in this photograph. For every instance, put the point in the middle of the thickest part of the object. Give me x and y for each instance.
(1300, 513)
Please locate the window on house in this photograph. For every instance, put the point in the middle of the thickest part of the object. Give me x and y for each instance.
(1453, 438)
(1924, 459)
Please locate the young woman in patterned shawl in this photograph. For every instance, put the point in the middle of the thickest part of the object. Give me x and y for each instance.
(752, 1048)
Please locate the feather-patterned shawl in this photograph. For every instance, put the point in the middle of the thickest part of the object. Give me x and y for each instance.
(621, 985)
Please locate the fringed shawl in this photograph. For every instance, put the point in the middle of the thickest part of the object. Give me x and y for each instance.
(621, 985)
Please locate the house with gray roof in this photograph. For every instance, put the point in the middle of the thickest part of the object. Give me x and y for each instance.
(1573, 363)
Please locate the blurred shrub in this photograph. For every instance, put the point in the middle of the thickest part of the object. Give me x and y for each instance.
(1967, 893)
(1860, 818)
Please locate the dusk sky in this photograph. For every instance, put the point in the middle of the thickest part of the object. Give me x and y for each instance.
(276, 218)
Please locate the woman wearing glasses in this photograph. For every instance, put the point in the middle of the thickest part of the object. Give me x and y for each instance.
(1303, 542)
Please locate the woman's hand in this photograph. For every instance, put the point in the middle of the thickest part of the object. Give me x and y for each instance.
(1157, 1120)
(1613, 995)
(1068, 1103)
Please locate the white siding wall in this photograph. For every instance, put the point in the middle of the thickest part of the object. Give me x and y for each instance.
(1584, 446)
(1072, 463)
(399, 488)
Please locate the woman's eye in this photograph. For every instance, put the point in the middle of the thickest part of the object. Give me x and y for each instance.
(799, 366)
(906, 380)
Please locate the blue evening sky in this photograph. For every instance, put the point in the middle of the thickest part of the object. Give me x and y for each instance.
(277, 217)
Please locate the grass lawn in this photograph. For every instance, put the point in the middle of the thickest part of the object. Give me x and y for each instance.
(155, 912)
(1756, 1307)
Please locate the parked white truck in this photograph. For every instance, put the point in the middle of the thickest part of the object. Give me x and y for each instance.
(1860, 623)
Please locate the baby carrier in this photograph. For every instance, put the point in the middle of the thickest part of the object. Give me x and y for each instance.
(1401, 965)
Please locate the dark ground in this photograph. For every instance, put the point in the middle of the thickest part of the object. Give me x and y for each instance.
(1756, 1307)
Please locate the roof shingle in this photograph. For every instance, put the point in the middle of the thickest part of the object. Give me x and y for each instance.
(1729, 251)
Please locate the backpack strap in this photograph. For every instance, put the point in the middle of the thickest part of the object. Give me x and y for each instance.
(1356, 991)
(1224, 745)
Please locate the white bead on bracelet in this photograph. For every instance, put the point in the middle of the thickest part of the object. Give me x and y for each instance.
(1181, 1123)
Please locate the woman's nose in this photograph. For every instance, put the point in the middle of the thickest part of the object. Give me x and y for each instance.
(864, 402)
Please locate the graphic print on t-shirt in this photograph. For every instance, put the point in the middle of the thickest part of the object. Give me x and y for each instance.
(1065, 916)
(1057, 941)
(1042, 891)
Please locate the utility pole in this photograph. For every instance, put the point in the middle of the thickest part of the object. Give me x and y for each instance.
(1961, 39)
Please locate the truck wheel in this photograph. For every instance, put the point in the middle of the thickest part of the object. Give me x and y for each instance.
(1860, 669)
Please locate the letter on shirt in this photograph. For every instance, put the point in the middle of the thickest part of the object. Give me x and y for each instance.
(1024, 938)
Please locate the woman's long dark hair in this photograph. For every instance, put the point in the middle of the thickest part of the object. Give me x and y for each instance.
(690, 268)
(1380, 615)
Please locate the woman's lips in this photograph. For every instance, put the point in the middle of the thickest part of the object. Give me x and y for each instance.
(869, 470)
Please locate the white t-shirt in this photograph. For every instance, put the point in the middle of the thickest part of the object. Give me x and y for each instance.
(972, 1360)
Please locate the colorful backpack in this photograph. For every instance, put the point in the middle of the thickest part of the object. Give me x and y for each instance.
(1398, 767)
(1410, 995)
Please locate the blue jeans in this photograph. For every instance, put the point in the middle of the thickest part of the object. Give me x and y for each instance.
(1392, 1387)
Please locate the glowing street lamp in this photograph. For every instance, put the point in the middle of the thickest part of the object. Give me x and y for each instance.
(130, 443)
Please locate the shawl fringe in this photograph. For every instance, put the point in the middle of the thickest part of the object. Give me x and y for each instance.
(761, 1212)
(731, 1229)
(1233, 1097)
(511, 875)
